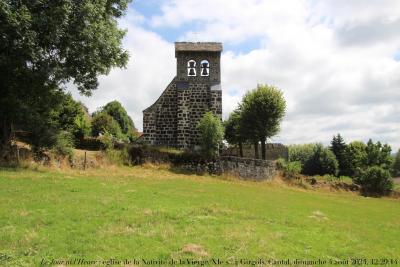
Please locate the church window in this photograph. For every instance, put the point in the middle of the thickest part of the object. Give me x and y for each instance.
(191, 66)
(205, 68)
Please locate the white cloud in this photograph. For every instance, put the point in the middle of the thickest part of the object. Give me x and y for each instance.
(151, 67)
(333, 60)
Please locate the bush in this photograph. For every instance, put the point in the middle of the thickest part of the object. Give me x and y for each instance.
(136, 154)
(375, 180)
(289, 169)
(118, 157)
(301, 153)
(211, 134)
(322, 162)
(90, 143)
(64, 144)
(107, 141)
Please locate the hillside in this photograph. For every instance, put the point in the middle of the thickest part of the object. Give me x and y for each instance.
(153, 213)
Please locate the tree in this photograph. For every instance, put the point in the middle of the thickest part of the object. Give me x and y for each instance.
(338, 147)
(233, 132)
(301, 153)
(46, 44)
(262, 111)
(355, 158)
(376, 180)
(396, 164)
(119, 114)
(82, 127)
(378, 155)
(211, 133)
(103, 123)
(323, 161)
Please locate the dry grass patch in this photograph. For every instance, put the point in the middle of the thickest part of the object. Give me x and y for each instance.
(194, 249)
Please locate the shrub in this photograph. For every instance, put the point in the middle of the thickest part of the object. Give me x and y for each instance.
(211, 134)
(64, 144)
(89, 143)
(301, 153)
(323, 161)
(107, 141)
(375, 180)
(118, 157)
(136, 154)
(289, 169)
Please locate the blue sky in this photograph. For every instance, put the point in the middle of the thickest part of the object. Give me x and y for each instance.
(336, 61)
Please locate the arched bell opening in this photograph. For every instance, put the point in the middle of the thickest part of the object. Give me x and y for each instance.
(191, 68)
(205, 68)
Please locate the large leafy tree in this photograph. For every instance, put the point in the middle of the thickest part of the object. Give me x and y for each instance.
(379, 155)
(356, 158)
(233, 132)
(262, 111)
(103, 123)
(46, 44)
(119, 114)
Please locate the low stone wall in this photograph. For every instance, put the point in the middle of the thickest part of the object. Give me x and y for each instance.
(248, 168)
(245, 168)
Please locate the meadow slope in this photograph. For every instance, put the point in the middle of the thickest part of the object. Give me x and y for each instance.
(154, 213)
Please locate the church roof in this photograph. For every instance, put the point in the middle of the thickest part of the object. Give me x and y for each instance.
(199, 46)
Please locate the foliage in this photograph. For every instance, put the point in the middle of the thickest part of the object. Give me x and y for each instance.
(323, 161)
(90, 143)
(355, 158)
(119, 114)
(118, 157)
(290, 169)
(46, 44)
(301, 153)
(64, 144)
(211, 134)
(107, 141)
(233, 132)
(375, 180)
(396, 164)
(232, 128)
(378, 155)
(262, 110)
(338, 147)
(103, 123)
(71, 116)
(82, 127)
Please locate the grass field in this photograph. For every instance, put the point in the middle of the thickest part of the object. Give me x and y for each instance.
(153, 213)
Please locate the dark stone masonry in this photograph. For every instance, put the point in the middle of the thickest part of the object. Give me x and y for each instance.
(172, 120)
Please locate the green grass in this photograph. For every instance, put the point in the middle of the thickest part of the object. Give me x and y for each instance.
(150, 213)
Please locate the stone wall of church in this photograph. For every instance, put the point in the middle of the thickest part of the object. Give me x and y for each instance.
(172, 120)
(159, 120)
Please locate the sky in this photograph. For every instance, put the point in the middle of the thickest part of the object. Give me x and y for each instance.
(336, 61)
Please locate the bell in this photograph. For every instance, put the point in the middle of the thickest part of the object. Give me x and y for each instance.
(192, 72)
(204, 72)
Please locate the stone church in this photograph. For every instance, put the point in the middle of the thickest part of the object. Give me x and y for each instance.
(172, 119)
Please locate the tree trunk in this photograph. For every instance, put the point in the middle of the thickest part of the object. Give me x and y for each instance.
(240, 149)
(263, 148)
(256, 150)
